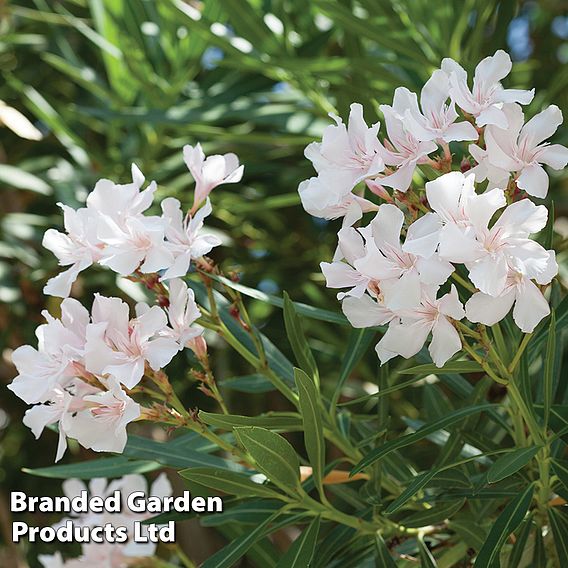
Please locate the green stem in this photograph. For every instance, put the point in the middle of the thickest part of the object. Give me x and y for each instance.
(520, 352)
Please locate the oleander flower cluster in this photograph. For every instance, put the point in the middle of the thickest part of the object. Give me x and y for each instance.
(108, 554)
(397, 269)
(87, 365)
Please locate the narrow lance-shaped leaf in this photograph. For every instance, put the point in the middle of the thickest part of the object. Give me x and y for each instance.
(420, 434)
(559, 524)
(548, 378)
(228, 482)
(511, 463)
(226, 557)
(301, 552)
(298, 340)
(507, 522)
(273, 456)
(313, 429)
(384, 558)
(359, 341)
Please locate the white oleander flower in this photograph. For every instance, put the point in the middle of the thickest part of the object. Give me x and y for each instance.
(210, 172)
(185, 239)
(486, 98)
(403, 149)
(354, 150)
(182, 313)
(101, 424)
(521, 148)
(437, 119)
(400, 274)
(490, 253)
(57, 407)
(121, 347)
(406, 335)
(530, 306)
(61, 346)
(456, 206)
(330, 196)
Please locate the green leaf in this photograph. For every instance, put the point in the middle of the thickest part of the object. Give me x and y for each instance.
(248, 383)
(559, 523)
(298, 341)
(384, 558)
(426, 558)
(451, 367)
(172, 455)
(359, 341)
(105, 467)
(472, 533)
(548, 376)
(301, 552)
(226, 557)
(313, 429)
(417, 484)
(420, 434)
(228, 482)
(273, 456)
(511, 463)
(560, 468)
(507, 522)
(518, 551)
(432, 516)
(16, 177)
(302, 309)
(285, 421)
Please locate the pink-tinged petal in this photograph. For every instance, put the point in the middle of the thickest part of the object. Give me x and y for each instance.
(111, 311)
(365, 312)
(340, 275)
(456, 246)
(530, 308)
(404, 293)
(124, 262)
(375, 266)
(60, 286)
(534, 180)
(152, 321)
(401, 178)
(488, 310)
(492, 69)
(501, 149)
(435, 93)
(542, 126)
(550, 271)
(492, 115)
(351, 244)
(521, 219)
(387, 224)
(481, 208)
(159, 352)
(444, 195)
(445, 342)
(40, 416)
(404, 340)
(423, 236)
(157, 258)
(527, 257)
(450, 305)
(434, 270)
(61, 444)
(555, 156)
(460, 131)
(490, 274)
(520, 96)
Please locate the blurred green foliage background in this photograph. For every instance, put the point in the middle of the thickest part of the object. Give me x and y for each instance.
(111, 82)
